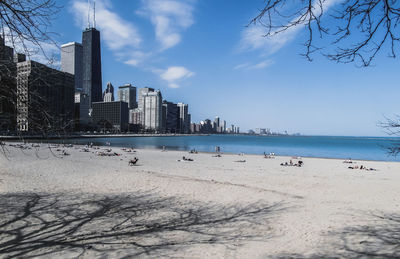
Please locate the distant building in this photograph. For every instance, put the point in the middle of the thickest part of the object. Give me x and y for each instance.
(71, 62)
(135, 116)
(193, 127)
(110, 115)
(206, 126)
(127, 93)
(184, 121)
(45, 98)
(170, 117)
(260, 131)
(152, 108)
(108, 94)
(143, 91)
(217, 122)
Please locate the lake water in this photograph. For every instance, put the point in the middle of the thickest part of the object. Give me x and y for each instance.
(365, 148)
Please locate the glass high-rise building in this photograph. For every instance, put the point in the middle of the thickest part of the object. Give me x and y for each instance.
(92, 81)
(127, 93)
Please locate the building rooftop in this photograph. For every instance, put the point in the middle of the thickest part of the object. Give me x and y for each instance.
(70, 44)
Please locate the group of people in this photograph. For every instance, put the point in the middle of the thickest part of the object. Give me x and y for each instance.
(271, 155)
(186, 159)
(298, 164)
(362, 168)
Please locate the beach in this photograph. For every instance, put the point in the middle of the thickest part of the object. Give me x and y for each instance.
(84, 204)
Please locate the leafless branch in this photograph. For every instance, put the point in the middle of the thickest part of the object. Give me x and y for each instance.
(355, 30)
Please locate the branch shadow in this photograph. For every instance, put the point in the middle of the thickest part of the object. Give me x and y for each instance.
(379, 239)
(138, 224)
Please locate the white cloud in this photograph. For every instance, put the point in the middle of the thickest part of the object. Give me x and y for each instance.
(134, 58)
(115, 31)
(251, 66)
(173, 75)
(240, 66)
(253, 36)
(169, 18)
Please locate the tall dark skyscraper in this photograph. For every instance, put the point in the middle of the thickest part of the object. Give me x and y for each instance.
(92, 82)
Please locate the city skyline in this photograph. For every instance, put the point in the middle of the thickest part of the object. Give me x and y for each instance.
(232, 69)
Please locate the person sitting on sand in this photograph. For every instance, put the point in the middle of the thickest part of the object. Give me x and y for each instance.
(133, 161)
(291, 162)
(300, 163)
(353, 167)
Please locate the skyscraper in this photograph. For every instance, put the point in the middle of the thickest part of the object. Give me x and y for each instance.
(184, 122)
(92, 81)
(153, 110)
(143, 91)
(127, 93)
(170, 117)
(108, 95)
(71, 62)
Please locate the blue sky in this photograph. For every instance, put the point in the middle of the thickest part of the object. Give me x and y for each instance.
(202, 53)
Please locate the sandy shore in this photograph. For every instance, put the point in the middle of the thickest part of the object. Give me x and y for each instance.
(87, 205)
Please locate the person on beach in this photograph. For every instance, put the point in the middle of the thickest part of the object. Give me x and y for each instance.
(133, 161)
(300, 163)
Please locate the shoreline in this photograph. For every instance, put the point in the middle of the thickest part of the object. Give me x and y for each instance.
(211, 153)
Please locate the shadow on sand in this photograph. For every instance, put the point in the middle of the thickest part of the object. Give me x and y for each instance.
(137, 224)
(379, 239)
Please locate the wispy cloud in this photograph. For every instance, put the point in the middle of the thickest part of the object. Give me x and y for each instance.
(174, 75)
(116, 32)
(134, 58)
(252, 66)
(169, 18)
(253, 36)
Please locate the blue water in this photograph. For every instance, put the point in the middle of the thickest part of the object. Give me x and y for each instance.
(364, 148)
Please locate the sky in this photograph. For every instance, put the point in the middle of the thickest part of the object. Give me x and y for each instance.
(202, 52)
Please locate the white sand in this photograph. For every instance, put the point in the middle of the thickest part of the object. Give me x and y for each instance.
(211, 207)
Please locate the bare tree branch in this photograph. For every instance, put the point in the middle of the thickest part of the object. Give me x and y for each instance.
(356, 30)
